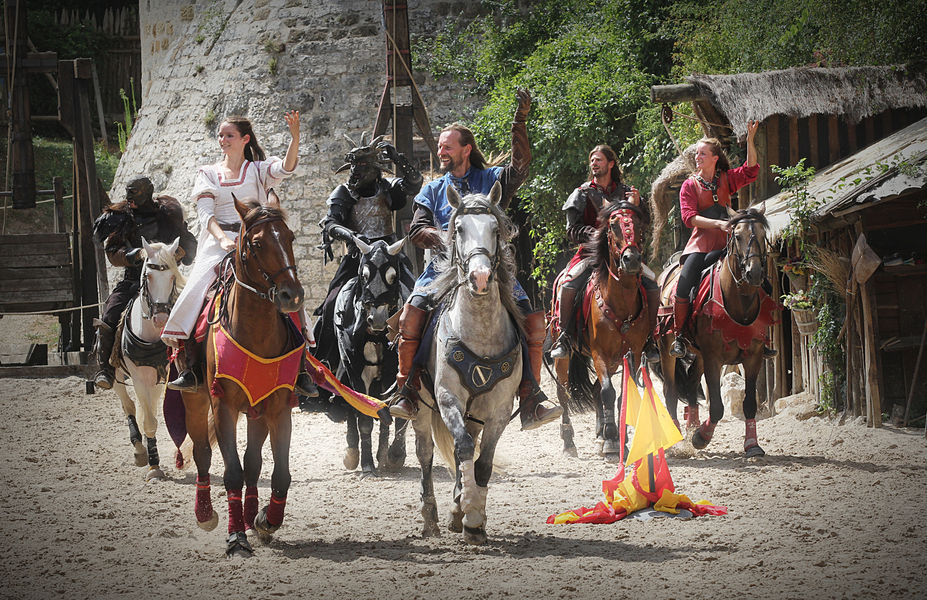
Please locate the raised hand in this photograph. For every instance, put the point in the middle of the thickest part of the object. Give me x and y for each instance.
(524, 105)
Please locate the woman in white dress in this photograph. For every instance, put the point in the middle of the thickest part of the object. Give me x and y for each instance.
(247, 173)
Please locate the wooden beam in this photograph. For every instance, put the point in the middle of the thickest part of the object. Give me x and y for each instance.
(793, 141)
(682, 92)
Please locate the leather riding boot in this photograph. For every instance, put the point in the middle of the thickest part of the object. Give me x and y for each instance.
(411, 325)
(531, 398)
(106, 337)
(191, 377)
(680, 314)
(561, 349)
(305, 385)
(651, 352)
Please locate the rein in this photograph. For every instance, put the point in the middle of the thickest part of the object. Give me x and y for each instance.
(154, 307)
(463, 264)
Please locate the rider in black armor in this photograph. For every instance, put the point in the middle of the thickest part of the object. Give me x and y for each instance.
(120, 230)
(362, 207)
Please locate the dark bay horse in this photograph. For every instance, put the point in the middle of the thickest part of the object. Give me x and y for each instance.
(618, 323)
(262, 288)
(367, 364)
(727, 327)
(474, 360)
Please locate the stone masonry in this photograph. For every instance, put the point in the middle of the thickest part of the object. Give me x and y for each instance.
(204, 60)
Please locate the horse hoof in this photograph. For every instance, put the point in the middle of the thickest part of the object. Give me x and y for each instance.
(475, 535)
(351, 458)
(264, 529)
(431, 530)
(754, 452)
(141, 455)
(610, 447)
(154, 474)
(698, 442)
(210, 523)
(456, 522)
(571, 452)
(238, 546)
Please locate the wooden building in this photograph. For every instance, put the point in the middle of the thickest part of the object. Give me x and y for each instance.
(826, 116)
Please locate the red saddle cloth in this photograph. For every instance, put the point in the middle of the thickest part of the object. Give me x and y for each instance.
(257, 376)
(710, 301)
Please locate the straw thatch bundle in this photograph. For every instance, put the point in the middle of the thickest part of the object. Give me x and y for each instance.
(831, 265)
(852, 92)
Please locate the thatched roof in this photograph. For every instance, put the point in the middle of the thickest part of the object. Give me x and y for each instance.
(852, 92)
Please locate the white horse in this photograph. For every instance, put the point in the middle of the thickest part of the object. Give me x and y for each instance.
(142, 354)
(475, 360)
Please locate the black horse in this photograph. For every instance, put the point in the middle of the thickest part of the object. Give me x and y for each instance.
(366, 362)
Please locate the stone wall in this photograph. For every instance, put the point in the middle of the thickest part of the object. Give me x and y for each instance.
(204, 60)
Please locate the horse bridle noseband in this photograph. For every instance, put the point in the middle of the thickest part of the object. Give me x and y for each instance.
(154, 307)
(244, 243)
(741, 260)
(463, 264)
(628, 233)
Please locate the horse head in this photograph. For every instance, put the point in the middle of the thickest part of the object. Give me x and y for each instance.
(620, 227)
(160, 276)
(475, 237)
(746, 246)
(378, 284)
(264, 255)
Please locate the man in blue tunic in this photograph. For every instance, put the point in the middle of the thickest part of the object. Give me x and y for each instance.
(465, 168)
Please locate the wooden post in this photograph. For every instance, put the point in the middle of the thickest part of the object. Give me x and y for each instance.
(99, 98)
(793, 141)
(22, 156)
(833, 139)
(873, 395)
(917, 367)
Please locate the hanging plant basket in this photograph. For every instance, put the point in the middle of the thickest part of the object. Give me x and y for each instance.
(798, 281)
(806, 320)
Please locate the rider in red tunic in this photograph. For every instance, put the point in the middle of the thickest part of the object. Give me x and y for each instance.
(703, 202)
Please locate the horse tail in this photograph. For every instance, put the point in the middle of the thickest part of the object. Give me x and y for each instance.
(582, 396)
(444, 441)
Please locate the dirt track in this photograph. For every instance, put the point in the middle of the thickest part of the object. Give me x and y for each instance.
(832, 511)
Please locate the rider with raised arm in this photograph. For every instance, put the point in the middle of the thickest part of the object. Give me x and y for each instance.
(704, 199)
(582, 216)
(466, 169)
(120, 230)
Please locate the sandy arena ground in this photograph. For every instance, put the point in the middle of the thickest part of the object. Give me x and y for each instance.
(832, 511)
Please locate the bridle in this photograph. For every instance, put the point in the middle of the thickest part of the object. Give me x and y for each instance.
(739, 259)
(246, 250)
(625, 219)
(463, 263)
(156, 307)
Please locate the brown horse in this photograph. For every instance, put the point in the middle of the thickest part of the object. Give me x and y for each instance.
(262, 288)
(727, 327)
(618, 323)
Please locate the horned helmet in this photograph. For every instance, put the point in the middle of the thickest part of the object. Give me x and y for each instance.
(365, 160)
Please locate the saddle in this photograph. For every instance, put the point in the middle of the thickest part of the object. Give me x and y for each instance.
(144, 354)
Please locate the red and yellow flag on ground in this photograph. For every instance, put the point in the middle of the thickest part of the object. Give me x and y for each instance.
(650, 483)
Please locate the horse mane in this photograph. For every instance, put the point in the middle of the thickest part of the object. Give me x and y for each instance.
(749, 214)
(596, 249)
(257, 211)
(446, 281)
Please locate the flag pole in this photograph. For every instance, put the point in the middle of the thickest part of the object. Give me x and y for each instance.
(652, 480)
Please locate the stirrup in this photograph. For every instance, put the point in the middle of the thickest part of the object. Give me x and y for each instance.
(103, 380)
(305, 385)
(405, 406)
(539, 415)
(678, 349)
(562, 347)
(769, 352)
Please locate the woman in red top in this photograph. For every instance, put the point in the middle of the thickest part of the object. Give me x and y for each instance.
(703, 202)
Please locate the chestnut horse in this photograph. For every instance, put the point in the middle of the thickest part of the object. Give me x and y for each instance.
(618, 322)
(723, 331)
(262, 289)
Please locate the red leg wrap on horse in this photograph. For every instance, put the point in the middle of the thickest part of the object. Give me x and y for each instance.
(750, 435)
(707, 429)
(691, 415)
(275, 510)
(236, 520)
(251, 505)
(216, 389)
(203, 507)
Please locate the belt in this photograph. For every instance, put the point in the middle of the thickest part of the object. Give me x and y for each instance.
(230, 226)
